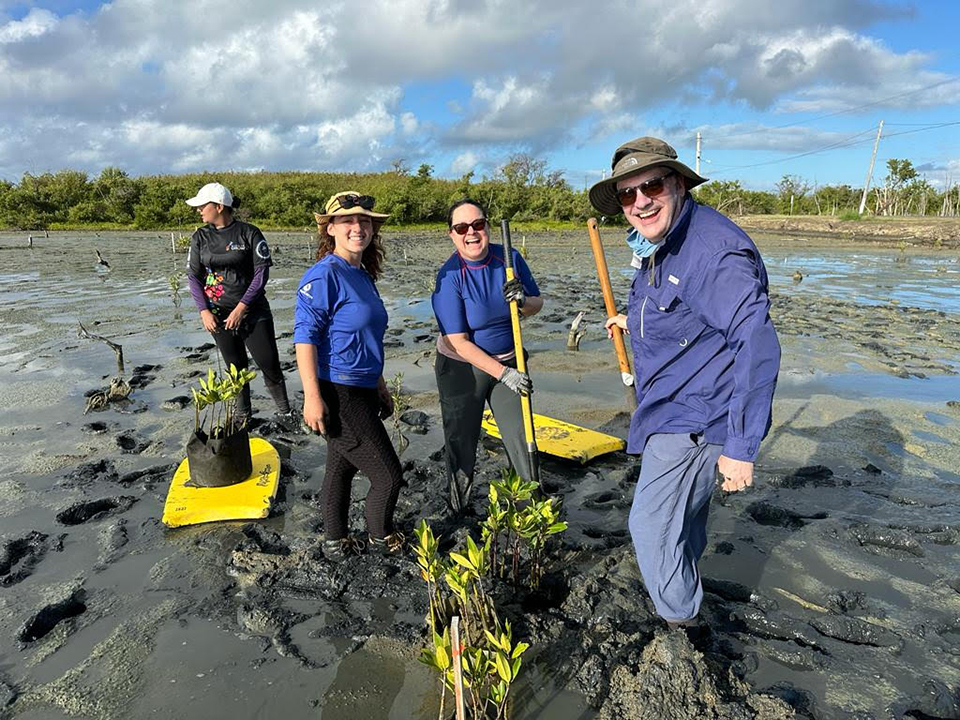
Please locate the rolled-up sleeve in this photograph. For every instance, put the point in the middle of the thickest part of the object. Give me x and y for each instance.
(731, 297)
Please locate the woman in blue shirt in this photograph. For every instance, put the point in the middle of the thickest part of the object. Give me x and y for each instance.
(476, 363)
(339, 322)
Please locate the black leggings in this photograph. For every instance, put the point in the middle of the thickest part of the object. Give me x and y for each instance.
(357, 440)
(257, 334)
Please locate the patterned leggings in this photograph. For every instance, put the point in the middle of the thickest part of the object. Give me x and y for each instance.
(357, 440)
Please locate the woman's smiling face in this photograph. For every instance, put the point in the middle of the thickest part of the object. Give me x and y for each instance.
(472, 244)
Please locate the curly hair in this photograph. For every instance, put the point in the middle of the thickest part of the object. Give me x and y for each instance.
(371, 260)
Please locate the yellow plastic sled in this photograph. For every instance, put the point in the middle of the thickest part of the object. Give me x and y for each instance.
(556, 437)
(250, 499)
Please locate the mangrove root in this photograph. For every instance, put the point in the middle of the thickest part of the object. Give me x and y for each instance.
(576, 333)
(117, 349)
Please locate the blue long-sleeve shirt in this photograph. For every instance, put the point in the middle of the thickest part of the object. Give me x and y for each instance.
(705, 351)
(340, 311)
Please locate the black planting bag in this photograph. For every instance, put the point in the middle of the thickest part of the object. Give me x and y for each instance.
(216, 462)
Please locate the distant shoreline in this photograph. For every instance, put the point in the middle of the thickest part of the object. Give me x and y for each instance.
(933, 232)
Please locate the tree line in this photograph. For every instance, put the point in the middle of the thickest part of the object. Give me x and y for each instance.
(523, 190)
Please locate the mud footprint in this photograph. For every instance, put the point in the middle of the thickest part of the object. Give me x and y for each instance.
(49, 616)
(82, 512)
(18, 557)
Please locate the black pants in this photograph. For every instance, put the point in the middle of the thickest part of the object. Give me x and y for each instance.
(357, 440)
(257, 335)
(464, 390)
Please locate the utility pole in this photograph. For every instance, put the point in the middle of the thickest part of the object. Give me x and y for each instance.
(873, 159)
(698, 152)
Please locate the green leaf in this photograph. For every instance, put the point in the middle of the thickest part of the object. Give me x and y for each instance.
(461, 560)
(503, 667)
(520, 649)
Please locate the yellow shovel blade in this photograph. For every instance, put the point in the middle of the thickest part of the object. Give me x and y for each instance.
(562, 439)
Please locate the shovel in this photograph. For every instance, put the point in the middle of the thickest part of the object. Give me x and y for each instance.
(626, 375)
(527, 408)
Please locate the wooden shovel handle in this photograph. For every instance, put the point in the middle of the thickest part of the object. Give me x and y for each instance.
(604, 276)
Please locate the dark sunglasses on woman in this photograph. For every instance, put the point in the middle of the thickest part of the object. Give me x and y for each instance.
(477, 225)
(351, 201)
(651, 188)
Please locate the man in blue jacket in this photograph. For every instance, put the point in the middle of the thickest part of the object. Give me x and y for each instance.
(706, 357)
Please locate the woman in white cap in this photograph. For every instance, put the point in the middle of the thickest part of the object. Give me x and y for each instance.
(339, 323)
(228, 267)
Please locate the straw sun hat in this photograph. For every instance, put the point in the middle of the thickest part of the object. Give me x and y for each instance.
(349, 202)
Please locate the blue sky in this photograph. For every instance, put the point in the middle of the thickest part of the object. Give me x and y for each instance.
(792, 87)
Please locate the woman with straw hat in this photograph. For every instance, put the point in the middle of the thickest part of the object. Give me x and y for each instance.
(339, 323)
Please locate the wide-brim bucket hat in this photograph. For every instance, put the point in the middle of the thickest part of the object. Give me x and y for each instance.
(633, 157)
(349, 202)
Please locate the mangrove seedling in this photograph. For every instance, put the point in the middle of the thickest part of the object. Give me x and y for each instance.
(490, 659)
(174, 280)
(400, 406)
(218, 396)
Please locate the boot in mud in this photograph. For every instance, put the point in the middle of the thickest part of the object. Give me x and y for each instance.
(342, 548)
(390, 545)
(460, 488)
(697, 632)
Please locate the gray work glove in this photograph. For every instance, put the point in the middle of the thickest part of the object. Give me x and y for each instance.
(513, 290)
(517, 381)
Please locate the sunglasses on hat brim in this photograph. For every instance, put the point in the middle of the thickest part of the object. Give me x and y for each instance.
(348, 202)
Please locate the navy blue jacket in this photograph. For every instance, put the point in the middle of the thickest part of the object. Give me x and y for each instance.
(705, 351)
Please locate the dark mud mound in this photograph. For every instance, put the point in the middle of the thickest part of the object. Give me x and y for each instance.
(82, 512)
(767, 514)
(672, 680)
(49, 616)
(88, 473)
(18, 557)
(130, 443)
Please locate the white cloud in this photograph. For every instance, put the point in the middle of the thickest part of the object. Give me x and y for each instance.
(464, 163)
(408, 121)
(36, 23)
(156, 86)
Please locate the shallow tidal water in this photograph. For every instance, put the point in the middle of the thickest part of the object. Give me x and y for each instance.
(870, 361)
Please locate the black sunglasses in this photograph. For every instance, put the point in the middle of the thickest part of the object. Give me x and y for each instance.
(351, 201)
(477, 225)
(651, 188)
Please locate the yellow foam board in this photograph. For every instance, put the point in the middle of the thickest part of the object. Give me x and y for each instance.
(250, 499)
(559, 438)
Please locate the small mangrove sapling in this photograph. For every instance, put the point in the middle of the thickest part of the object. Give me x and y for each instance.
(218, 396)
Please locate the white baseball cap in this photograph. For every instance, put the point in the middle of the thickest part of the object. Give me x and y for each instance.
(212, 193)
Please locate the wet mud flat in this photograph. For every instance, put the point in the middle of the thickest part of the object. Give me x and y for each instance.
(832, 587)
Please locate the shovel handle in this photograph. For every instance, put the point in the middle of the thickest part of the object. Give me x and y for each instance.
(604, 276)
(526, 406)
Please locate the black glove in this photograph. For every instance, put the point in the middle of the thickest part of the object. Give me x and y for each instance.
(513, 290)
(517, 381)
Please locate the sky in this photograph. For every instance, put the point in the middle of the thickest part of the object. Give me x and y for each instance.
(792, 87)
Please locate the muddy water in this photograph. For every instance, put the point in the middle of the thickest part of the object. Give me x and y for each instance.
(178, 623)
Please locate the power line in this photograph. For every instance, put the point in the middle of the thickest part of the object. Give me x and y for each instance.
(847, 111)
(846, 142)
(840, 144)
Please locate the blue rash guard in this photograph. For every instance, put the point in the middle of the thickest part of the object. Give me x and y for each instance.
(468, 298)
(706, 352)
(340, 311)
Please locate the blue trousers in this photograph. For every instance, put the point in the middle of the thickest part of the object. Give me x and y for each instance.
(668, 520)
